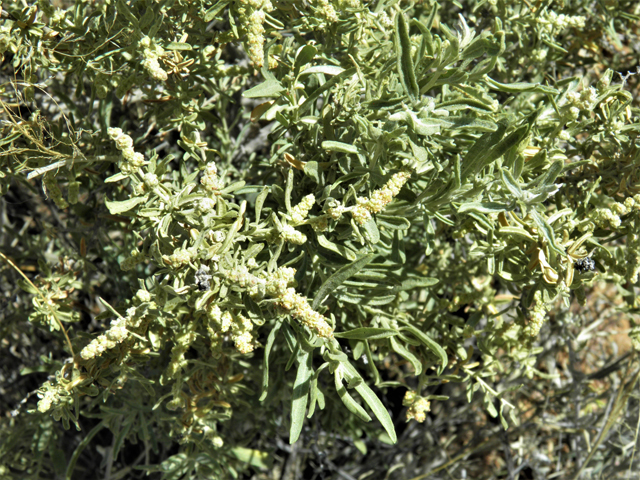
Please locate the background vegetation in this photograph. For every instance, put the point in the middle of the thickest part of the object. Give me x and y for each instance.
(323, 239)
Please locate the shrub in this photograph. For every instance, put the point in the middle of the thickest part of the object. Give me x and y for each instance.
(229, 226)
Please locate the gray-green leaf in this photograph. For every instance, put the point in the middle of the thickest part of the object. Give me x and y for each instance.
(546, 230)
(349, 402)
(428, 342)
(404, 61)
(270, 88)
(484, 207)
(370, 231)
(367, 333)
(378, 409)
(300, 394)
(339, 147)
(116, 208)
(340, 276)
(267, 351)
(404, 352)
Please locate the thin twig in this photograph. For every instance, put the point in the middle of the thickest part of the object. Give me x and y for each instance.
(17, 269)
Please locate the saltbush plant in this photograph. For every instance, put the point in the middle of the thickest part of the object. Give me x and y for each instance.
(323, 239)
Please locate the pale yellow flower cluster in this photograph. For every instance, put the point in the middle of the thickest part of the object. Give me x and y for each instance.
(252, 15)
(584, 100)
(131, 160)
(118, 333)
(633, 257)
(538, 315)
(151, 53)
(320, 224)
(552, 22)
(380, 198)
(632, 202)
(300, 211)
(221, 323)
(150, 180)
(385, 20)
(418, 406)
(280, 280)
(48, 399)
(241, 276)
(178, 258)
(130, 262)
(336, 210)
(205, 205)
(210, 179)
(291, 235)
(241, 334)
(279, 285)
(604, 217)
(183, 342)
(327, 10)
(299, 308)
(361, 213)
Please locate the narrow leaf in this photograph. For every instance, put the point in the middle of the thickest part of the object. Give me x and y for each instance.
(480, 46)
(113, 178)
(340, 276)
(512, 140)
(516, 231)
(215, 10)
(116, 208)
(178, 46)
(81, 446)
(336, 247)
(404, 352)
(349, 402)
(270, 88)
(255, 458)
(416, 282)
(520, 87)
(366, 333)
(404, 61)
(479, 149)
(428, 342)
(546, 230)
(262, 196)
(316, 395)
(339, 147)
(324, 69)
(392, 223)
(552, 173)
(305, 55)
(265, 365)
(484, 207)
(364, 299)
(511, 183)
(233, 187)
(300, 394)
(378, 409)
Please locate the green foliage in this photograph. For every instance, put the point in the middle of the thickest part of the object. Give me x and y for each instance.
(221, 219)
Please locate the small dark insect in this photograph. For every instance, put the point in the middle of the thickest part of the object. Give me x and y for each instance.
(584, 265)
(202, 278)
